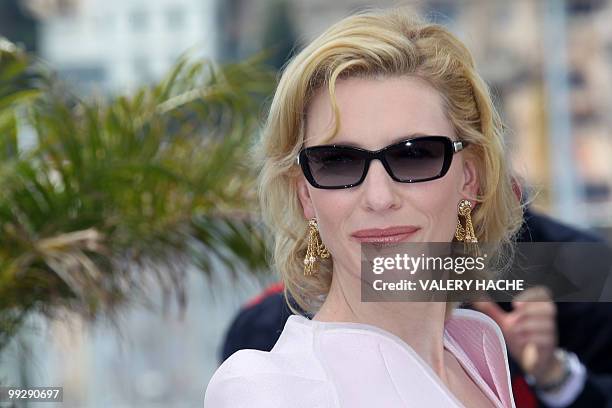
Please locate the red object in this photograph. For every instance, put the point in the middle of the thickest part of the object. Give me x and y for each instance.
(270, 290)
(523, 396)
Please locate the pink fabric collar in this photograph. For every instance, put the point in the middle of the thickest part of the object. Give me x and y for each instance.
(478, 343)
(473, 338)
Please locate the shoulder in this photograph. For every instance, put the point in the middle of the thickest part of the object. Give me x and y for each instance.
(254, 378)
(257, 325)
(542, 228)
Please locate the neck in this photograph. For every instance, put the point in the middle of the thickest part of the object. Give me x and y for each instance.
(418, 324)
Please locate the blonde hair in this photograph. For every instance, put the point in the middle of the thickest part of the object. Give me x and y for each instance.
(377, 44)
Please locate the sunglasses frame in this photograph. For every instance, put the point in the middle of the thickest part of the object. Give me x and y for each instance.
(450, 148)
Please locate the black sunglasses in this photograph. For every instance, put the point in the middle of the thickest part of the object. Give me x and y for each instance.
(409, 161)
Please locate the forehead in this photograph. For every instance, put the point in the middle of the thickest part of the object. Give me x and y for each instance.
(377, 111)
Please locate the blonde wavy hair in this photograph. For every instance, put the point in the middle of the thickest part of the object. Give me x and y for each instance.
(376, 43)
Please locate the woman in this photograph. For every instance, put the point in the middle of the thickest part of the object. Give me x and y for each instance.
(380, 131)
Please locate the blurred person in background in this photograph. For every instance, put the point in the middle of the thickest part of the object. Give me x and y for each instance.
(573, 339)
(415, 150)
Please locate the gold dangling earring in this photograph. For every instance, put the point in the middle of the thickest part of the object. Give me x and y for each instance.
(465, 234)
(315, 248)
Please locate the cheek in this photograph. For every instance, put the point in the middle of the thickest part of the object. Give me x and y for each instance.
(438, 200)
(332, 207)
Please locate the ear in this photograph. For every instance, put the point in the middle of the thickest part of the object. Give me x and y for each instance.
(304, 197)
(471, 184)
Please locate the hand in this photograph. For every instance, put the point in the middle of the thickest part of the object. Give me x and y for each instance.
(530, 331)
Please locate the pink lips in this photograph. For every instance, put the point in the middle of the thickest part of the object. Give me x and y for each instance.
(385, 235)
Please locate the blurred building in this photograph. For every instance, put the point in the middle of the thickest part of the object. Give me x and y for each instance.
(117, 45)
(113, 45)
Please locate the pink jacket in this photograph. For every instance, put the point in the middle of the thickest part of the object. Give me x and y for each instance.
(322, 364)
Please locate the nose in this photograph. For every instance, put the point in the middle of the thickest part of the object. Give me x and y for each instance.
(379, 190)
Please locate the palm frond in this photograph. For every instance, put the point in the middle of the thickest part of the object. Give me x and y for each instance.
(122, 191)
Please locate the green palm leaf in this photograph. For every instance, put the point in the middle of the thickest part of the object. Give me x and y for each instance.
(121, 192)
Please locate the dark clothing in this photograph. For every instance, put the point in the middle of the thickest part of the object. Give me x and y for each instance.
(258, 325)
(584, 328)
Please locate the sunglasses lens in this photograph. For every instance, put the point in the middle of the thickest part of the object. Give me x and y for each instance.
(416, 159)
(335, 167)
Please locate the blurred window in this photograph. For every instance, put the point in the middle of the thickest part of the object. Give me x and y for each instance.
(577, 79)
(139, 20)
(583, 6)
(442, 11)
(175, 18)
